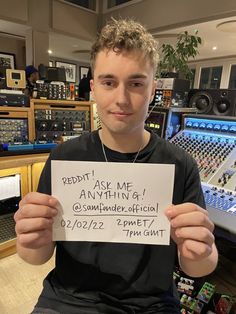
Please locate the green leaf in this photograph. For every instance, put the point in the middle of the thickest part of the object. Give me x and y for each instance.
(175, 58)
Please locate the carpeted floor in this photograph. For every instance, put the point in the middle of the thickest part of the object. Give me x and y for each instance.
(21, 283)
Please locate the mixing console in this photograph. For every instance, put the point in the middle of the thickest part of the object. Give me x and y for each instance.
(221, 205)
(212, 143)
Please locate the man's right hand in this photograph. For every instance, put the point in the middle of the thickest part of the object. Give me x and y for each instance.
(34, 220)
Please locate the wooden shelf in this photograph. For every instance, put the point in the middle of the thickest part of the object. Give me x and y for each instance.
(37, 104)
(8, 248)
(29, 166)
(13, 109)
(60, 102)
(21, 160)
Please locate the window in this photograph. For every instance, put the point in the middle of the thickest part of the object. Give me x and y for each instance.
(193, 78)
(88, 4)
(210, 77)
(110, 5)
(114, 3)
(232, 78)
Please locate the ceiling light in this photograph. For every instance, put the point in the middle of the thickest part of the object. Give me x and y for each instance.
(214, 48)
(228, 27)
(50, 51)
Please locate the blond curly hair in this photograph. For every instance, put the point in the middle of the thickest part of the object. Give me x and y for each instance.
(125, 35)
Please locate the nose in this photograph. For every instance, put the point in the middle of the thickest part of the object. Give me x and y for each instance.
(122, 95)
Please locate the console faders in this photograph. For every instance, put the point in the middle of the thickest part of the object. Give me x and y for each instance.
(212, 143)
(209, 151)
(221, 205)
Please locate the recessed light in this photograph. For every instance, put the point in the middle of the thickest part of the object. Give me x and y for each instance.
(214, 48)
(50, 51)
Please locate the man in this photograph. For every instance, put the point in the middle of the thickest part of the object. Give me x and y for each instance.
(84, 86)
(32, 76)
(113, 277)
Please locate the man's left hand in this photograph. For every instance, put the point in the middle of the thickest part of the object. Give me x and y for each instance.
(191, 229)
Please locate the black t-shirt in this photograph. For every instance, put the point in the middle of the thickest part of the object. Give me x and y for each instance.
(136, 276)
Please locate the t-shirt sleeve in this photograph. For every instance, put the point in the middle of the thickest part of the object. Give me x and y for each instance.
(193, 190)
(44, 185)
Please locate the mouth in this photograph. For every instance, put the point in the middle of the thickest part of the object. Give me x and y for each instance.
(121, 114)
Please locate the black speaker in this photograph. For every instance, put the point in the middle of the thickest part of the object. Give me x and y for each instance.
(3, 81)
(220, 102)
(49, 74)
(42, 71)
(56, 74)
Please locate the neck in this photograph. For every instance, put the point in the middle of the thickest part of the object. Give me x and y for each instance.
(125, 143)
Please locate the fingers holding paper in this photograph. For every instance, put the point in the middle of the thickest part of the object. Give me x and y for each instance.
(192, 230)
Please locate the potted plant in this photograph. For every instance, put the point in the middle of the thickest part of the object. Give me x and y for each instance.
(175, 58)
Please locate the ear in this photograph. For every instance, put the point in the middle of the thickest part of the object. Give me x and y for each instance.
(92, 87)
(91, 82)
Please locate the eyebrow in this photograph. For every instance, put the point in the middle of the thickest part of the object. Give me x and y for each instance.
(133, 76)
(102, 76)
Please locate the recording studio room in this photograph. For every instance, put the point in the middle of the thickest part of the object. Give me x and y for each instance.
(46, 101)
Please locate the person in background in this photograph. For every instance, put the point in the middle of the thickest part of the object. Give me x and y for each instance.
(84, 86)
(119, 278)
(32, 76)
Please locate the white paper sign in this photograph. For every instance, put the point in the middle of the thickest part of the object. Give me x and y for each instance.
(112, 202)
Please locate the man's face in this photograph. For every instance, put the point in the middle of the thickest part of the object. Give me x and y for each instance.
(34, 77)
(123, 87)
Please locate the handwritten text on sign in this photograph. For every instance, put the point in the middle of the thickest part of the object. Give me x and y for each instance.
(112, 202)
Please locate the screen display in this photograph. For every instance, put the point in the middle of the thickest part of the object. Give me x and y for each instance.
(156, 122)
(174, 125)
(15, 76)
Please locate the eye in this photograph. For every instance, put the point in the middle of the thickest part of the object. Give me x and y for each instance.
(108, 83)
(136, 84)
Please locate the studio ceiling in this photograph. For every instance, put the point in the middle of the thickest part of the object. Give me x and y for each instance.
(222, 37)
(218, 33)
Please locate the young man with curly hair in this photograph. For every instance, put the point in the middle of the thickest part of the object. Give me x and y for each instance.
(119, 278)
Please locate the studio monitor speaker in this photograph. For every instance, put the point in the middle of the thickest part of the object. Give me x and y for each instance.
(49, 74)
(221, 102)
